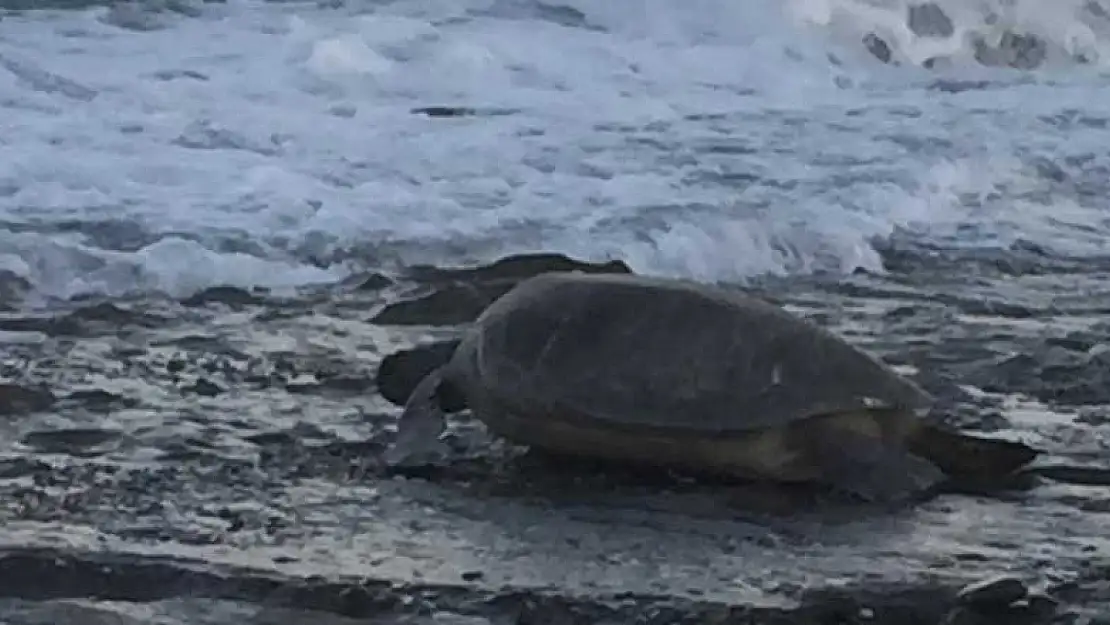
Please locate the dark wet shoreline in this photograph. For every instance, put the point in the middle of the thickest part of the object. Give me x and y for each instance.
(240, 431)
(47, 574)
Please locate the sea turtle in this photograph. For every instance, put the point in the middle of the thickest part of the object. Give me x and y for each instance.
(691, 376)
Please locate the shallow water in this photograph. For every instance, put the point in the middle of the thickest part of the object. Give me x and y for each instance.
(952, 219)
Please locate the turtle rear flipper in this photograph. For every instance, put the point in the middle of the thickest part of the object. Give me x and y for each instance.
(869, 468)
(972, 463)
(419, 427)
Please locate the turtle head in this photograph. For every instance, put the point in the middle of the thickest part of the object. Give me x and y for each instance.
(450, 397)
(400, 372)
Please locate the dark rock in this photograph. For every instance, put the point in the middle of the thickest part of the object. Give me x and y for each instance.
(177, 74)
(60, 325)
(515, 267)
(99, 400)
(31, 5)
(877, 47)
(400, 372)
(958, 86)
(1093, 415)
(110, 314)
(133, 16)
(204, 388)
(1016, 50)
(449, 305)
(445, 111)
(13, 468)
(90, 320)
(16, 399)
(936, 62)
(368, 282)
(41, 574)
(13, 288)
(564, 15)
(1051, 373)
(230, 296)
(994, 592)
(280, 438)
(39, 79)
(901, 605)
(1032, 611)
(78, 442)
(460, 295)
(996, 308)
(929, 20)
(460, 111)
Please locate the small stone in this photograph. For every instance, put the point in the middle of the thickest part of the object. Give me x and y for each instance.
(1024, 51)
(877, 47)
(18, 400)
(13, 288)
(80, 442)
(230, 296)
(929, 20)
(346, 111)
(993, 592)
(1017, 50)
(204, 388)
(444, 111)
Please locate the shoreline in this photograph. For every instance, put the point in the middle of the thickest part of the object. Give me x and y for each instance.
(244, 431)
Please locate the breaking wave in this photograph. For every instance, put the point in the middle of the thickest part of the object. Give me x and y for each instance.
(277, 144)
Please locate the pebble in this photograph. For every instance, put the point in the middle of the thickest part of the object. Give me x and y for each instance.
(472, 576)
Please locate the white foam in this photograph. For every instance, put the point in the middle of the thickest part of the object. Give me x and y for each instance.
(264, 133)
(1069, 28)
(64, 267)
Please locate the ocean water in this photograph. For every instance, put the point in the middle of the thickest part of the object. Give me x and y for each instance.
(274, 143)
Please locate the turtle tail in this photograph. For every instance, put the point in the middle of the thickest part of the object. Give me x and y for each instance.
(966, 458)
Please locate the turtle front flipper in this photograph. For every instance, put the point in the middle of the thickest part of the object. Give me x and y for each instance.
(419, 427)
(964, 455)
(972, 463)
(866, 466)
